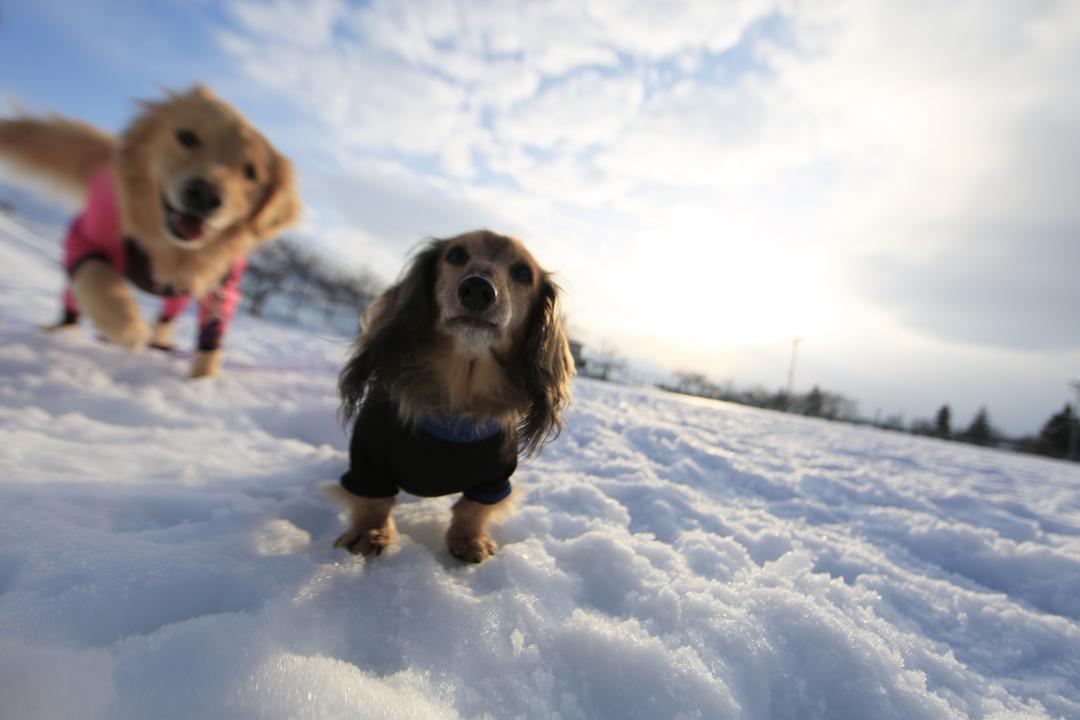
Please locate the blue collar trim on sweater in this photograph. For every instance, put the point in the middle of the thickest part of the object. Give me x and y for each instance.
(457, 429)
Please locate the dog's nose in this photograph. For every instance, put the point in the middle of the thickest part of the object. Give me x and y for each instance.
(476, 293)
(201, 197)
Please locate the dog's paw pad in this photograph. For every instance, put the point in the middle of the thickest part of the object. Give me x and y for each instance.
(365, 542)
(472, 549)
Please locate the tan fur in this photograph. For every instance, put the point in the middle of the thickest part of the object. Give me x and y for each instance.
(207, 364)
(149, 164)
(162, 335)
(467, 537)
(456, 380)
(511, 362)
(476, 386)
(64, 151)
(105, 297)
(371, 528)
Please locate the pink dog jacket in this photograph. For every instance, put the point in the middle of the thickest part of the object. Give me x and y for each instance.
(96, 235)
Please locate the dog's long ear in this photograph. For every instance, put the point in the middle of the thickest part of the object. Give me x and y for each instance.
(545, 369)
(281, 205)
(398, 324)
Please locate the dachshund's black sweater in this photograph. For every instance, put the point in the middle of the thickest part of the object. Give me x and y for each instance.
(431, 459)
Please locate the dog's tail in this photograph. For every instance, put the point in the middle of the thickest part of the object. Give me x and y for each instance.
(63, 152)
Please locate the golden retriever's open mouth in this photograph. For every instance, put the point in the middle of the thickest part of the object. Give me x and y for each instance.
(185, 227)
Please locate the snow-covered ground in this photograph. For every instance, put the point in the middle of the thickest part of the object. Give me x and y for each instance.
(165, 552)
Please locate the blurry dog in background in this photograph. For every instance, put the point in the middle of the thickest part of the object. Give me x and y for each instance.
(461, 365)
(173, 206)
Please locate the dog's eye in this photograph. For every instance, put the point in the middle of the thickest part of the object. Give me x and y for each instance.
(187, 138)
(457, 256)
(522, 273)
(249, 172)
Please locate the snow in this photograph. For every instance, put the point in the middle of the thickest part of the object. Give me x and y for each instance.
(165, 551)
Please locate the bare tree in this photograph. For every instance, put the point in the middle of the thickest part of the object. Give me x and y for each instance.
(286, 269)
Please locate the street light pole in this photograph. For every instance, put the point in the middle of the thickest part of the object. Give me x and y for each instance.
(791, 368)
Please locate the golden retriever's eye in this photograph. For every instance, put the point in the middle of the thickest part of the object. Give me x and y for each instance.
(187, 138)
(522, 273)
(457, 256)
(249, 172)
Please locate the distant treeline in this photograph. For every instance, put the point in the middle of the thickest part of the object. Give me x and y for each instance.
(1057, 438)
(816, 403)
(286, 281)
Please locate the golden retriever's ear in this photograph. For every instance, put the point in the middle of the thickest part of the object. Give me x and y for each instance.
(280, 207)
(399, 324)
(545, 368)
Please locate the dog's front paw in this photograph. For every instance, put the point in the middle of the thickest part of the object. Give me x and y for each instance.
(471, 548)
(132, 336)
(207, 364)
(366, 541)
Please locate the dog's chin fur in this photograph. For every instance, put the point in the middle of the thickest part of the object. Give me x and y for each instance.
(186, 245)
(474, 342)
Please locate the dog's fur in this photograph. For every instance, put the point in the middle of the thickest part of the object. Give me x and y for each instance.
(65, 152)
(514, 367)
(258, 196)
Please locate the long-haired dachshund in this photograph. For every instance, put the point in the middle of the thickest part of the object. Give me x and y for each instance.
(462, 365)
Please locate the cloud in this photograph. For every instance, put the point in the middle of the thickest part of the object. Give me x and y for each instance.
(374, 220)
(433, 79)
(583, 110)
(873, 164)
(1012, 286)
(956, 132)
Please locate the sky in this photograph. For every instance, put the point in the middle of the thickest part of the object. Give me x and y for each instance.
(894, 183)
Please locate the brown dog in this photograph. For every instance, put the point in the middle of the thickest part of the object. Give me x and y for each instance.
(462, 364)
(173, 205)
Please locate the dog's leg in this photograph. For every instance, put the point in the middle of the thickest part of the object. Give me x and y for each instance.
(467, 538)
(207, 363)
(371, 529)
(105, 297)
(162, 337)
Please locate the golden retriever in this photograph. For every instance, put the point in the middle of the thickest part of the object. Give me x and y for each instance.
(173, 206)
(461, 365)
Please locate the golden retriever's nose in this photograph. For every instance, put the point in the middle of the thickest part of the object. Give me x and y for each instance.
(200, 197)
(476, 293)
